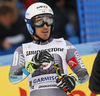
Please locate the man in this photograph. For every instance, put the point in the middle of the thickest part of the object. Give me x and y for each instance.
(13, 30)
(94, 82)
(36, 59)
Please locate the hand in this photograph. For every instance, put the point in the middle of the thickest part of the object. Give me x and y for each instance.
(41, 57)
(6, 45)
(69, 82)
(37, 60)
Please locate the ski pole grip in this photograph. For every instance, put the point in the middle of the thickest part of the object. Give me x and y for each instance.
(60, 77)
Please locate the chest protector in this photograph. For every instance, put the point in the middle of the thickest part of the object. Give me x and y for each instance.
(45, 76)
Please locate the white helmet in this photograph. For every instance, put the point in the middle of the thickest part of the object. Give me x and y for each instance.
(34, 10)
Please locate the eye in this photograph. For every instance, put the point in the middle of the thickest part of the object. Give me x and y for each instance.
(38, 22)
(49, 20)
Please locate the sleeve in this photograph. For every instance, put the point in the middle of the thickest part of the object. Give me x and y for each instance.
(94, 81)
(75, 63)
(18, 64)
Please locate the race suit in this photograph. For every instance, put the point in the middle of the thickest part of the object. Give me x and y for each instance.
(43, 81)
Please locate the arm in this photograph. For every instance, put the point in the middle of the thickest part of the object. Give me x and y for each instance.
(94, 82)
(20, 70)
(80, 74)
(18, 63)
(75, 63)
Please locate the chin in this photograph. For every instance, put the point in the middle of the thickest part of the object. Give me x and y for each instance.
(45, 38)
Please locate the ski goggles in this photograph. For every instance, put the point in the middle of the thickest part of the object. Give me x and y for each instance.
(39, 21)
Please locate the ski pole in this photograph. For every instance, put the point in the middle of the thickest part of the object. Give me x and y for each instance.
(60, 77)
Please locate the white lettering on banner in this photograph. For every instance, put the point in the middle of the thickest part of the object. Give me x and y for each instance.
(79, 59)
(71, 47)
(15, 59)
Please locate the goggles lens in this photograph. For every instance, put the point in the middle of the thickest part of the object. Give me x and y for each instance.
(39, 22)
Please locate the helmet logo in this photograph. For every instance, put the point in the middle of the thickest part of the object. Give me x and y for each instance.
(42, 8)
(43, 11)
(39, 7)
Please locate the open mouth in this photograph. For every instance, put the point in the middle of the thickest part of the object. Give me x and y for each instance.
(45, 32)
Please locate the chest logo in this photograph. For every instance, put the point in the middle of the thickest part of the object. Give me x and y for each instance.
(72, 62)
(46, 65)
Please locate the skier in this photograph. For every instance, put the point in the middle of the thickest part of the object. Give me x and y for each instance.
(36, 59)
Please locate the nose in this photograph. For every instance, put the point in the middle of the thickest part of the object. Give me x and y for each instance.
(45, 26)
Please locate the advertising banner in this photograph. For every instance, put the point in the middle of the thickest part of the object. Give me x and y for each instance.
(21, 89)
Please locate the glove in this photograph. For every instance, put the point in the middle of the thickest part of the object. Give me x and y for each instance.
(37, 60)
(69, 82)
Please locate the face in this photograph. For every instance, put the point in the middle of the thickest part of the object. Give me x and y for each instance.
(6, 20)
(43, 32)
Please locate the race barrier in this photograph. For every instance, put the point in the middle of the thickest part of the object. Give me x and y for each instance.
(21, 89)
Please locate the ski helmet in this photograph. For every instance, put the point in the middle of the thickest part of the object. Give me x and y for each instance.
(34, 11)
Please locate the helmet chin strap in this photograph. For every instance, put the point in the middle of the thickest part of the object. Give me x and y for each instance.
(40, 39)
